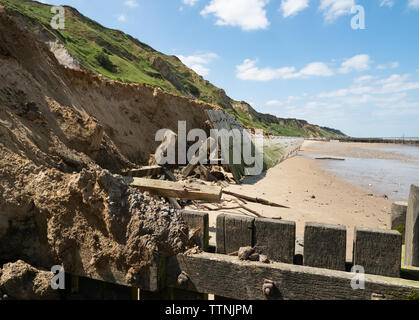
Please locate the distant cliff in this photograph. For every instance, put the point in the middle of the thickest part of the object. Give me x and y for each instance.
(118, 56)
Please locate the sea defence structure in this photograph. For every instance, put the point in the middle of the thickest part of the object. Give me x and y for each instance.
(412, 228)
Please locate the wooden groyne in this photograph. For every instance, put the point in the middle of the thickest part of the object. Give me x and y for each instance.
(376, 271)
(414, 142)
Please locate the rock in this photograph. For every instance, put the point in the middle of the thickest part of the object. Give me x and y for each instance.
(254, 257)
(245, 252)
(263, 258)
(21, 281)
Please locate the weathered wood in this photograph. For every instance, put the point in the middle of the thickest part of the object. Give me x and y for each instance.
(198, 222)
(255, 200)
(220, 234)
(378, 251)
(276, 239)
(227, 276)
(329, 158)
(151, 280)
(238, 232)
(409, 272)
(222, 122)
(324, 246)
(199, 157)
(170, 189)
(83, 288)
(398, 217)
(412, 228)
(145, 171)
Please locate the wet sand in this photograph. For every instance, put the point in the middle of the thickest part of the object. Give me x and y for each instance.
(383, 169)
(313, 195)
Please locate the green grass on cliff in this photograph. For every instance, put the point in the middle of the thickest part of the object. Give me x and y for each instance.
(118, 56)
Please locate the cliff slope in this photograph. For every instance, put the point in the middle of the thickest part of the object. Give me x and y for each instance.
(118, 56)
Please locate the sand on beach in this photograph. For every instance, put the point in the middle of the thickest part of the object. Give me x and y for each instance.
(314, 194)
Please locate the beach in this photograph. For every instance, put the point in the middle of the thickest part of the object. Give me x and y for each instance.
(315, 193)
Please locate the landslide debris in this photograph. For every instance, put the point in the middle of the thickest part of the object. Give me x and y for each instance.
(21, 281)
(64, 137)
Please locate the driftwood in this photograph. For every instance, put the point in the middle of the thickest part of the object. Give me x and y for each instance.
(176, 189)
(239, 206)
(169, 175)
(145, 171)
(255, 200)
(199, 157)
(328, 158)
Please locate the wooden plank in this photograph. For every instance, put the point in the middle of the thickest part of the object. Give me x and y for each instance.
(378, 251)
(145, 171)
(398, 217)
(180, 190)
(150, 281)
(202, 154)
(412, 228)
(227, 276)
(276, 239)
(324, 246)
(198, 222)
(238, 232)
(220, 234)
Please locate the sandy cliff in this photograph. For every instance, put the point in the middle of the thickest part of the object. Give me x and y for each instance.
(64, 134)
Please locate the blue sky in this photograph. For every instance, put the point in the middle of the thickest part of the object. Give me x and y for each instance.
(292, 58)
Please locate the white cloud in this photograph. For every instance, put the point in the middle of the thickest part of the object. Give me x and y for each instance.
(281, 103)
(414, 4)
(363, 79)
(387, 3)
(199, 62)
(246, 14)
(360, 62)
(292, 7)
(274, 103)
(332, 9)
(122, 18)
(249, 71)
(316, 69)
(131, 3)
(391, 65)
(190, 2)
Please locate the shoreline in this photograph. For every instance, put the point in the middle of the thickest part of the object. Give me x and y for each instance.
(313, 195)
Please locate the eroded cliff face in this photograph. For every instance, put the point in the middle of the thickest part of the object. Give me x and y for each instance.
(64, 137)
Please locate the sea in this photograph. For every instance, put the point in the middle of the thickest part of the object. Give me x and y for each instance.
(391, 174)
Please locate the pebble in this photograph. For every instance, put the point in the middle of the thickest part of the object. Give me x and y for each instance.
(263, 258)
(245, 252)
(254, 257)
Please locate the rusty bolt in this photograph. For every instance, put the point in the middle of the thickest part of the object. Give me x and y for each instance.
(182, 279)
(268, 288)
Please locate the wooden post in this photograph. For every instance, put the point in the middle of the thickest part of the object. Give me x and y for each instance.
(275, 239)
(324, 246)
(232, 233)
(412, 228)
(198, 222)
(378, 251)
(398, 217)
(220, 234)
(238, 232)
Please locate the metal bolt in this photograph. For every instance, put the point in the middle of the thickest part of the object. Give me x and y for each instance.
(182, 279)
